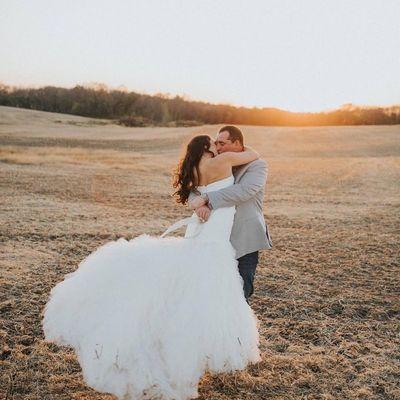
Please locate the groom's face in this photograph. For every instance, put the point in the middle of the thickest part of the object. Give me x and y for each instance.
(224, 143)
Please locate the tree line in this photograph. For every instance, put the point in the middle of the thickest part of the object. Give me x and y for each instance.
(136, 109)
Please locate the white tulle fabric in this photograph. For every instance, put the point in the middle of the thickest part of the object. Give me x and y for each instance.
(147, 317)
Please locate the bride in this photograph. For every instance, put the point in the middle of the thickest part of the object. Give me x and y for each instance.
(147, 317)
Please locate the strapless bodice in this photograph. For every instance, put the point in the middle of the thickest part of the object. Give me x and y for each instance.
(220, 184)
(219, 225)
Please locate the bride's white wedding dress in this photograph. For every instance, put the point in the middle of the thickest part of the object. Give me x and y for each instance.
(147, 317)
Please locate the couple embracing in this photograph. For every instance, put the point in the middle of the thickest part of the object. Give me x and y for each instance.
(147, 317)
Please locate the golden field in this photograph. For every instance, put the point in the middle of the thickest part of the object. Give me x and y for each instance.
(327, 295)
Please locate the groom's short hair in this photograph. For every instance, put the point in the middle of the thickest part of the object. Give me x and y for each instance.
(234, 133)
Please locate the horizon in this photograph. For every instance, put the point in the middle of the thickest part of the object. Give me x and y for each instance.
(123, 88)
(308, 57)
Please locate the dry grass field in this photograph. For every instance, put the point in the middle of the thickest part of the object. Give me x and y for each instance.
(327, 294)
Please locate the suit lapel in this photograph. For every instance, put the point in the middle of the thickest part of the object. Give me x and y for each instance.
(239, 172)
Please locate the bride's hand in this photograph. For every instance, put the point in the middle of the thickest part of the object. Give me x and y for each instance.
(251, 152)
(203, 213)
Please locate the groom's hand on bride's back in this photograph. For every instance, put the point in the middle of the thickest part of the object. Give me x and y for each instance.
(196, 202)
(199, 205)
(203, 213)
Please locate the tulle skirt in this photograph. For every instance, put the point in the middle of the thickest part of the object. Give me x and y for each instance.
(147, 317)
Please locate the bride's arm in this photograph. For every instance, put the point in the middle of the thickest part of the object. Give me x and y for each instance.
(237, 158)
(229, 159)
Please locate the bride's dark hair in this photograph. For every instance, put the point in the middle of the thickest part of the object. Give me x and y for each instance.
(185, 178)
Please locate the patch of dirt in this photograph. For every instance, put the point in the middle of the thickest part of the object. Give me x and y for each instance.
(327, 294)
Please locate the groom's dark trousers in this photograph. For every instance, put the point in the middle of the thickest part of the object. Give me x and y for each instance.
(247, 269)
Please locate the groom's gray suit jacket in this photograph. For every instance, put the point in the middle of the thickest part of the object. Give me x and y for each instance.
(249, 232)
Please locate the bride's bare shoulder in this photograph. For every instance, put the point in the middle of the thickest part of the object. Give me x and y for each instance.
(216, 163)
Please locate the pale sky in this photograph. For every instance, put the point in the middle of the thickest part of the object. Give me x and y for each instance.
(298, 55)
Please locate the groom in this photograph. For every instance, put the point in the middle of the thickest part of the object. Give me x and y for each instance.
(249, 232)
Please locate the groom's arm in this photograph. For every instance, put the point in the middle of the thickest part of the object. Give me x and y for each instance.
(193, 194)
(251, 183)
